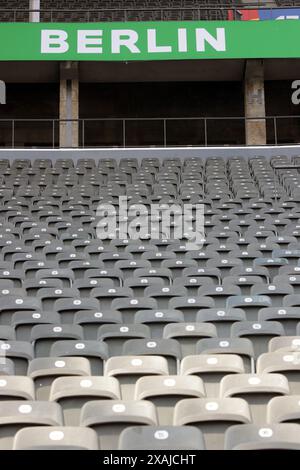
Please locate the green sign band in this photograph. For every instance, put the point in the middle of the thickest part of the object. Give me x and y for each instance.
(134, 41)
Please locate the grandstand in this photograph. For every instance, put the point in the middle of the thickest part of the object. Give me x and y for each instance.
(149, 225)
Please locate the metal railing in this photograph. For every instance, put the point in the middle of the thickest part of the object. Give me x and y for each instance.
(202, 12)
(145, 132)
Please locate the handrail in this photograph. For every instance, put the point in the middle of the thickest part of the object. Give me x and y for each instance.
(10, 129)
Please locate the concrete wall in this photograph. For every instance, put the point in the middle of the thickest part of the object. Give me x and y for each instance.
(161, 153)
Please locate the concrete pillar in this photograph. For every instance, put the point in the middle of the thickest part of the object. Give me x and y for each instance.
(69, 105)
(34, 16)
(254, 92)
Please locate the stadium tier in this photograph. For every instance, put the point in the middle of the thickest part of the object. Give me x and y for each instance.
(149, 228)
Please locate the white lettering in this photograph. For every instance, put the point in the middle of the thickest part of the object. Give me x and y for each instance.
(54, 41)
(203, 36)
(152, 44)
(89, 41)
(124, 37)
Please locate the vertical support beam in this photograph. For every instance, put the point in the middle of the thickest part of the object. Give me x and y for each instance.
(34, 16)
(254, 92)
(69, 105)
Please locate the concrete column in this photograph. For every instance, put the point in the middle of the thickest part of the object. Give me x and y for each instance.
(34, 16)
(254, 92)
(69, 105)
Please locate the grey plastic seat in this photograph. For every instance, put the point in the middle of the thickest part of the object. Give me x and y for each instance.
(168, 348)
(91, 320)
(211, 368)
(110, 417)
(221, 318)
(24, 321)
(268, 437)
(212, 417)
(56, 438)
(116, 335)
(20, 352)
(165, 391)
(240, 346)
(44, 370)
(260, 333)
(220, 294)
(189, 306)
(127, 369)
(15, 387)
(282, 362)
(287, 316)
(11, 304)
(157, 319)
(129, 306)
(73, 392)
(284, 343)
(284, 409)
(161, 438)
(139, 284)
(257, 390)
(187, 334)
(16, 415)
(163, 295)
(68, 307)
(250, 304)
(43, 336)
(106, 295)
(95, 351)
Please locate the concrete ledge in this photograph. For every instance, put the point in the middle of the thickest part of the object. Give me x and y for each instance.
(162, 153)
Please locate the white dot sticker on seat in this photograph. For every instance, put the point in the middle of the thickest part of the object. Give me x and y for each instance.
(254, 381)
(265, 432)
(80, 346)
(56, 436)
(224, 344)
(169, 382)
(119, 408)
(161, 435)
(136, 362)
(151, 344)
(60, 364)
(124, 329)
(3, 383)
(57, 329)
(212, 406)
(86, 383)
(25, 409)
(212, 360)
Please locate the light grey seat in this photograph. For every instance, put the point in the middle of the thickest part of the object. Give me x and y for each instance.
(187, 334)
(282, 362)
(44, 370)
(284, 409)
(168, 348)
(257, 390)
(56, 438)
(165, 391)
(73, 392)
(161, 438)
(211, 369)
(212, 417)
(221, 318)
(95, 351)
(268, 437)
(16, 415)
(128, 369)
(116, 335)
(260, 333)
(110, 417)
(240, 346)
